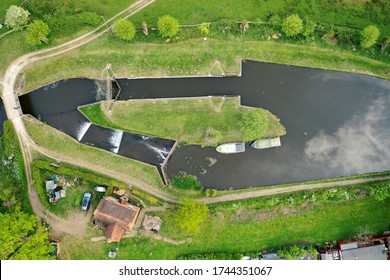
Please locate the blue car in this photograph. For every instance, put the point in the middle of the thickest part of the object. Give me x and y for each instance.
(86, 201)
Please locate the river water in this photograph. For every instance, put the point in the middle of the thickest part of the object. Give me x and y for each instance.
(337, 123)
(3, 116)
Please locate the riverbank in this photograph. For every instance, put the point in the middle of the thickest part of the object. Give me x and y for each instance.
(194, 57)
(205, 121)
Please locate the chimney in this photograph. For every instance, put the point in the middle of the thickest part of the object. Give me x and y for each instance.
(124, 200)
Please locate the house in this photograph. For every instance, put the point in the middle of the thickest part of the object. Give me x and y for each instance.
(369, 248)
(116, 215)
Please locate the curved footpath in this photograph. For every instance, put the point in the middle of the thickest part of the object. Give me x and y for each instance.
(77, 223)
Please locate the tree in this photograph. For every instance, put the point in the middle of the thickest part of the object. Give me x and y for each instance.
(254, 123)
(37, 247)
(369, 35)
(16, 17)
(15, 227)
(292, 25)
(37, 33)
(124, 30)
(190, 214)
(167, 26)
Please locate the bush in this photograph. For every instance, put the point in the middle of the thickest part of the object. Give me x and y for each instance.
(37, 33)
(369, 36)
(309, 29)
(204, 28)
(380, 191)
(186, 182)
(210, 192)
(292, 25)
(167, 26)
(124, 30)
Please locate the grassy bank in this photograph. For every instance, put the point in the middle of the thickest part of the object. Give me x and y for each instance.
(202, 121)
(244, 230)
(13, 185)
(63, 27)
(65, 147)
(191, 57)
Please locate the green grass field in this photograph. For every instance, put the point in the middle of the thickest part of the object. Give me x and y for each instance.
(202, 121)
(227, 231)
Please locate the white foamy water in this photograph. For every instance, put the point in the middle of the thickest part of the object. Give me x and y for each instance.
(83, 128)
(161, 152)
(115, 140)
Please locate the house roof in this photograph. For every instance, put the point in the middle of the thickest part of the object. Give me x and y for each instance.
(111, 211)
(376, 252)
(114, 232)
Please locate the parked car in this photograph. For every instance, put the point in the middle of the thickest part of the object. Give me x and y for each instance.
(86, 201)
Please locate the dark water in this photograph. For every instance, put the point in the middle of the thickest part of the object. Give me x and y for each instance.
(3, 116)
(337, 124)
(57, 105)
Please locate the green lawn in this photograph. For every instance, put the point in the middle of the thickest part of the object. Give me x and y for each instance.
(62, 145)
(347, 12)
(202, 121)
(191, 57)
(224, 232)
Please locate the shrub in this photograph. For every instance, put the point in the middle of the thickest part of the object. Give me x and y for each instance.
(204, 28)
(253, 123)
(210, 192)
(167, 26)
(124, 30)
(380, 191)
(309, 28)
(186, 182)
(37, 33)
(369, 36)
(292, 25)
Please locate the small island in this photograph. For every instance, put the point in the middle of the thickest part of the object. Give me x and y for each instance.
(205, 121)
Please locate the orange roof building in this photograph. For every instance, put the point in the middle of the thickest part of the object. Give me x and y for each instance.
(116, 216)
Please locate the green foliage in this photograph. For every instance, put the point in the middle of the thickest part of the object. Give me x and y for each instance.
(212, 256)
(380, 191)
(15, 226)
(309, 28)
(295, 252)
(385, 44)
(369, 36)
(50, 7)
(190, 214)
(16, 17)
(124, 30)
(37, 33)
(204, 28)
(13, 189)
(210, 192)
(167, 26)
(37, 247)
(186, 182)
(292, 25)
(253, 123)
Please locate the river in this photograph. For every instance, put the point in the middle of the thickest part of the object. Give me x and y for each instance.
(337, 123)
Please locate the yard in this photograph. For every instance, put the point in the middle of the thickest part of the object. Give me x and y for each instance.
(244, 231)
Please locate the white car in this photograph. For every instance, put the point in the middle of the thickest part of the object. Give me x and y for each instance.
(86, 201)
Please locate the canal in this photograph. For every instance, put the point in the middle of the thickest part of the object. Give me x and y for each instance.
(337, 123)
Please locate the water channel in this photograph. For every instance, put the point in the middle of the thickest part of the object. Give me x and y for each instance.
(337, 123)
(3, 116)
